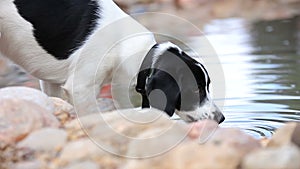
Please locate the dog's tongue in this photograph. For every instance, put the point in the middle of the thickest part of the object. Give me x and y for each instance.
(105, 92)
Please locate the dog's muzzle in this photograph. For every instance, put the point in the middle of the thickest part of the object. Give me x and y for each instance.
(208, 110)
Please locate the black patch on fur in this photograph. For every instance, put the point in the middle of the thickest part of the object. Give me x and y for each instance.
(60, 26)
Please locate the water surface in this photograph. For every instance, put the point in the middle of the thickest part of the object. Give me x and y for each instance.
(261, 63)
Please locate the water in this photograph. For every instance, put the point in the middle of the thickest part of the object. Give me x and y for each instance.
(261, 63)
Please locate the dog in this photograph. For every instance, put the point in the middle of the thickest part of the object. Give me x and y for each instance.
(62, 42)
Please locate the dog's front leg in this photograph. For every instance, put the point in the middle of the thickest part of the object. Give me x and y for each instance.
(51, 89)
(83, 85)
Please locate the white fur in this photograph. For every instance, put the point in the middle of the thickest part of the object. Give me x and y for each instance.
(117, 39)
(208, 110)
(161, 49)
(18, 44)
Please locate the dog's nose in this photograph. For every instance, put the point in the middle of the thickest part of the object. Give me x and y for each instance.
(222, 119)
(219, 117)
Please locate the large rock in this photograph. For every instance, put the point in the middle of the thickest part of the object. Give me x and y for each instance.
(285, 157)
(28, 94)
(235, 138)
(27, 165)
(85, 149)
(18, 118)
(125, 126)
(79, 150)
(224, 149)
(289, 133)
(116, 131)
(202, 130)
(190, 155)
(83, 165)
(44, 140)
(162, 143)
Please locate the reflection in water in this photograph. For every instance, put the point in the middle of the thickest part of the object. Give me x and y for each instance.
(261, 67)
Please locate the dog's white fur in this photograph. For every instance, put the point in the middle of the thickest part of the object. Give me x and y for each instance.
(18, 44)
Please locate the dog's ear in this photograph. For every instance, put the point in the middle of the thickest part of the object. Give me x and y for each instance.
(143, 74)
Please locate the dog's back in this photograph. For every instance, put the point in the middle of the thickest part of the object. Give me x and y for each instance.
(48, 38)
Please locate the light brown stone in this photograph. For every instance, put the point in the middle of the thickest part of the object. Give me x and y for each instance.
(27, 165)
(28, 94)
(79, 150)
(224, 149)
(45, 140)
(83, 165)
(61, 106)
(285, 157)
(235, 138)
(19, 117)
(122, 127)
(63, 110)
(285, 135)
(202, 130)
(191, 156)
(85, 149)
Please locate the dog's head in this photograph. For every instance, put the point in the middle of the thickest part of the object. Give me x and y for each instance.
(172, 81)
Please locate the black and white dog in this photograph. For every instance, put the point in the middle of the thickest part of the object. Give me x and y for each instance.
(53, 39)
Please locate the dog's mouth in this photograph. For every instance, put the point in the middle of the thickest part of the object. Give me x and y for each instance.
(194, 116)
(191, 118)
(219, 119)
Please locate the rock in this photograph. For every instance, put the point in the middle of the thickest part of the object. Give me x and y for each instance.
(63, 110)
(44, 140)
(20, 117)
(190, 155)
(264, 141)
(27, 165)
(202, 130)
(296, 135)
(74, 127)
(83, 165)
(138, 128)
(61, 106)
(86, 149)
(224, 149)
(80, 150)
(235, 138)
(163, 142)
(144, 127)
(285, 157)
(285, 135)
(224, 9)
(28, 94)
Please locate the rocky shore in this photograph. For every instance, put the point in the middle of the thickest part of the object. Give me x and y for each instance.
(38, 132)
